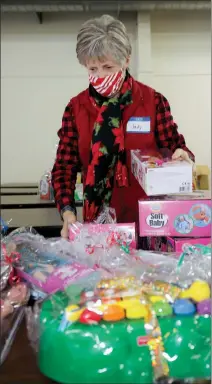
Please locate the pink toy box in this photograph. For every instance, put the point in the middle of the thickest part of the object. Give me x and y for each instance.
(176, 244)
(50, 279)
(124, 233)
(161, 176)
(176, 216)
(172, 244)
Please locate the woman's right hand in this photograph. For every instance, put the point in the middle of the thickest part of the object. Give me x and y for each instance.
(68, 218)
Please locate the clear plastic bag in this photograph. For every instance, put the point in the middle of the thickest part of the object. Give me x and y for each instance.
(113, 252)
(46, 191)
(99, 238)
(179, 269)
(106, 216)
(105, 219)
(144, 324)
(14, 297)
(46, 264)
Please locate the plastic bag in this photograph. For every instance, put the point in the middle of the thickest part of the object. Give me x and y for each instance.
(178, 269)
(111, 249)
(47, 264)
(46, 191)
(14, 297)
(105, 234)
(132, 328)
(106, 216)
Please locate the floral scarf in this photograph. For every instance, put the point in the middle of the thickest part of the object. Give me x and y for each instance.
(108, 157)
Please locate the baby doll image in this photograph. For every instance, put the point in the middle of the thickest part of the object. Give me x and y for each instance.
(42, 272)
(125, 238)
(201, 215)
(183, 224)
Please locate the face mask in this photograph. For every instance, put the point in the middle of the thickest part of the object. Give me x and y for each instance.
(107, 86)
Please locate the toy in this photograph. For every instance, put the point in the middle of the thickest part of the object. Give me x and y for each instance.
(129, 338)
(176, 216)
(14, 297)
(161, 176)
(114, 233)
(46, 265)
(47, 271)
(45, 187)
(204, 307)
(198, 292)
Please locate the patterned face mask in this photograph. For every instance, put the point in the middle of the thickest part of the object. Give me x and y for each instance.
(108, 86)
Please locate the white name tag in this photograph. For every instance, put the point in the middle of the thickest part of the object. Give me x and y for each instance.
(138, 125)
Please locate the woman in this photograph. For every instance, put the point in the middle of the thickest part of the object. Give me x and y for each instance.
(97, 133)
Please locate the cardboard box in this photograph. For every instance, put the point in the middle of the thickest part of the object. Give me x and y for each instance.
(177, 216)
(203, 177)
(161, 177)
(172, 244)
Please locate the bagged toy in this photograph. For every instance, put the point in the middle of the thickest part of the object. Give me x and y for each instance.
(47, 265)
(45, 184)
(103, 232)
(14, 297)
(45, 187)
(142, 327)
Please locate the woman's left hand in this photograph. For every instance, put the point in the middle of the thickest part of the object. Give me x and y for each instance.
(181, 155)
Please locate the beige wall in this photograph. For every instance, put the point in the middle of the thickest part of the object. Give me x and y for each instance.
(40, 73)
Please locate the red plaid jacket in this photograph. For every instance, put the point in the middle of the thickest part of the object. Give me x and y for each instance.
(67, 162)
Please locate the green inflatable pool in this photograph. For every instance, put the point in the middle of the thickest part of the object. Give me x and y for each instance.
(117, 352)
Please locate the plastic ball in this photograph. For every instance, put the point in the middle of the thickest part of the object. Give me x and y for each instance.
(198, 291)
(204, 307)
(136, 312)
(73, 313)
(162, 309)
(184, 307)
(155, 299)
(113, 313)
(89, 316)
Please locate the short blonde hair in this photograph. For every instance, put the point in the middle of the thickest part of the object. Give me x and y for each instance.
(102, 37)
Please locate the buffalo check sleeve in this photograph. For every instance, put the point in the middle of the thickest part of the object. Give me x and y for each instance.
(166, 130)
(67, 163)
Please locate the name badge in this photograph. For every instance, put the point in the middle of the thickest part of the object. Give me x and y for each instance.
(138, 125)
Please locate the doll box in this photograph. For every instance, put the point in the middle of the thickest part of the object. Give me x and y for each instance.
(176, 244)
(50, 279)
(48, 271)
(172, 244)
(162, 177)
(176, 216)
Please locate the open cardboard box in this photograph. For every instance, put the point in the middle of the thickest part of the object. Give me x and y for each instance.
(202, 177)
